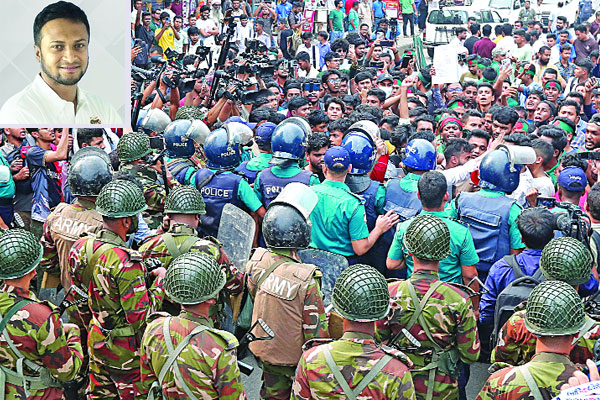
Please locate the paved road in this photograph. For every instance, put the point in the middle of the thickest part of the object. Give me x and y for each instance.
(253, 382)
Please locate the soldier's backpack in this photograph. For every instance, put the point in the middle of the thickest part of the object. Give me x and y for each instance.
(514, 294)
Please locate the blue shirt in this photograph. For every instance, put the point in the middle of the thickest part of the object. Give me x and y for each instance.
(323, 49)
(378, 9)
(283, 10)
(45, 181)
(501, 275)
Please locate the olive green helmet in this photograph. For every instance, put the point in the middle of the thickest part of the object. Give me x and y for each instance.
(554, 309)
(20, 253)
(566, 259)
(361, 294)
(184, 200)
(133, 146)
(193, 278)
(119, 199)
(428, 238)
(189, 112)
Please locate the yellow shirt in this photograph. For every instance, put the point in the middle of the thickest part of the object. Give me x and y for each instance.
(167, 39)
(498, 38)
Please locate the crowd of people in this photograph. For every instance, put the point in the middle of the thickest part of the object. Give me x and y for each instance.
(400, 229)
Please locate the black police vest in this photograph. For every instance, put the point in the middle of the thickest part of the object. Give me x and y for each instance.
(271, 185)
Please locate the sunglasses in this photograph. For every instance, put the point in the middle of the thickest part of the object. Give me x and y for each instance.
(312, 87)
(334, 80)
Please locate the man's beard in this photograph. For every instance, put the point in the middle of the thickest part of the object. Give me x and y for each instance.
(59, 79)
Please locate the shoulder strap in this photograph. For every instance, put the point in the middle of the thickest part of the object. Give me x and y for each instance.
(12, 311)
(511, 260)
(419, 307)
(86, 275)
(533, 387)
(364, 382)
(174, 353)
(268, 272)
(175, 250)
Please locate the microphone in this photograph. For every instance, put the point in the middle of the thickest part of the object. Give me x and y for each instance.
(157, 59)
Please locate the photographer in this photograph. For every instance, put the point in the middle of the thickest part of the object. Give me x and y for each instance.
(266, 15)
(166, 86)
(166, 35)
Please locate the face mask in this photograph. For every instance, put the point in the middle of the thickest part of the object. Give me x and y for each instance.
(387, 90)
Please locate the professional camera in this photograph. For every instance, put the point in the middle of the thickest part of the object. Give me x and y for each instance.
(574, 222)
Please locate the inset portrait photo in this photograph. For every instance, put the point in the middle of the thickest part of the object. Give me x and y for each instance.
(64, 63)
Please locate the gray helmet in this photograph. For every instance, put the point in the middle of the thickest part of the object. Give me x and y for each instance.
(554, 309)
(241, 133)
(566, 259)
(367, 127)
(89, 150)
(133, 146)
(193, 278)
(119, 199)
(88, 174)
(361, 294)
(155, 120)
(184, 200)
(428, 238)
(20, 253)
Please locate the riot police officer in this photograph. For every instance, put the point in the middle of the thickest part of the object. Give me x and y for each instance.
(288, 145)
(189, 341)
(282, 286)
(183, 141)
(361, 297)
(38, 350)
(89, 171)
(112, 277)
(249, 169)
(152, 121)
(183, 208)
(219, 185)
(420, 305)
(555, 315)
(135, 157)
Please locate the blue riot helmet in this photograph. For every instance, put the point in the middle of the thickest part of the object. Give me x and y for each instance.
(222, 150)
(288, 142)
(500, 169)
(420, 155)
(366, 127)
(363, 153)
(155, 120)
(264, 133)
(180, 136)
(301, 122)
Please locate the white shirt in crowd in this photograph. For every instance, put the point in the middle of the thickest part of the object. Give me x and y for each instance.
(312, 51)
(38, 104)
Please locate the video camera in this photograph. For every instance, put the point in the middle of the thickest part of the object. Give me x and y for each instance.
(257, 60)
(574, 222)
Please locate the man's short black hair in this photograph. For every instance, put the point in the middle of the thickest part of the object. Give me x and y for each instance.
(380, 94)
(361, 76)
(474, 28)
(341, 124)
(61, 9)
(423, 117)
(456, 147)
(86, 135)
(480, 133)
(486, 30)
(432, 186)
(573, 160)
(581, 28)
(317, 141)
(506, 116)
(536, 225)
(556, 135)
(593, 202)
(302, 56)
(507, 29)
(544, 149)
(337, 101)
(193, 30)
(323, 34)
(296, 102)
(340, 43)
(328, 73)
(316, 117)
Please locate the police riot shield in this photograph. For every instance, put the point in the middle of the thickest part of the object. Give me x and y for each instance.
(331, 266)
(236, 233)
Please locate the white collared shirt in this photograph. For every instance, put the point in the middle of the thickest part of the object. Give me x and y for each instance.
(37, 103)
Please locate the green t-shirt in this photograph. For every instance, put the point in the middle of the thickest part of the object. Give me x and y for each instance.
(337, 18)
(407, 6)
(353, 16)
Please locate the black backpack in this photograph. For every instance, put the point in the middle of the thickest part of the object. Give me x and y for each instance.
(514, 294)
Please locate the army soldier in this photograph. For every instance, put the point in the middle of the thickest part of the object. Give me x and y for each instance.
(134, 155)
(288, 145)
(431, 320)
(286, 293)
(338, 220)
(189, 342)
(183, 141)
(355, 366)
(89, 171)
(183, 207)
(38, 350)
(555, 315)
(119, 301)
(563, 259)
(249, 169)
(219, 185)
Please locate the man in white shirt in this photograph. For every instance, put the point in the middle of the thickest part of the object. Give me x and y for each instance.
(136, 14)
(242, 32)
(61, 37)
(179, 43)
(308, 47)
(305, 69)
(208, 27)
(507, 43)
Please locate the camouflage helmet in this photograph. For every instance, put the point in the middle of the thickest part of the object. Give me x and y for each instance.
(193, 278)
(189, 112)
(428, 238)
(361, 294)
(184, 200)
(119, 199)
(133, 146)
(20, 252)
(553, 309)
(566, 259)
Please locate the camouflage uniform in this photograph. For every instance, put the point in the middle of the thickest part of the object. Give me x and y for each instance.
(154, 192)
(210, 355)
(358, 353)
(549, 370)
(155, 248)
(450, 317)
(37, 332)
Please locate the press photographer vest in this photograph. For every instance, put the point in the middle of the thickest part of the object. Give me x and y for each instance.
(271, 185)
(281, 293)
